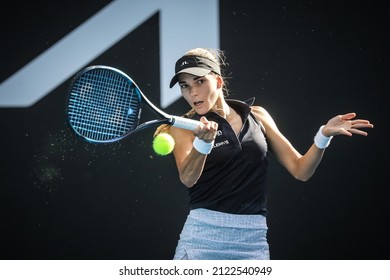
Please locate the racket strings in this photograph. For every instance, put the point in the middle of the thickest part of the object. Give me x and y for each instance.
(104, 105)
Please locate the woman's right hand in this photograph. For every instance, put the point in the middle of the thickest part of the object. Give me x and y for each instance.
(207, 130)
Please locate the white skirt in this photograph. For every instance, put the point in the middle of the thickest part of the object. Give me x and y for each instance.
(212, 235)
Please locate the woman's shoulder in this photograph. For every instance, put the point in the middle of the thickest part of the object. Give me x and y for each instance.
(263, 117)
(260, 112)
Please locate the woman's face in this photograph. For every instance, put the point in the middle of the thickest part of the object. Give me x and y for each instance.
(202, 93)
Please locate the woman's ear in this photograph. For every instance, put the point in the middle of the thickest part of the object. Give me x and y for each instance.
(219, 82)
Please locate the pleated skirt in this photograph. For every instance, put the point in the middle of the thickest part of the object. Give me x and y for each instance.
(212, 235)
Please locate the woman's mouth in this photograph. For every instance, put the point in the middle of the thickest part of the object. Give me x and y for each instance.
(198, 103)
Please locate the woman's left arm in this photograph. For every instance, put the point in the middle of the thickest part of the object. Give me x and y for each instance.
(302, 167)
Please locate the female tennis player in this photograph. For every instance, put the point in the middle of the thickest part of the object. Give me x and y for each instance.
(223, 162)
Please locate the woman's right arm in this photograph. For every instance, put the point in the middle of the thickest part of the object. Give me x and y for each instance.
(189, 161)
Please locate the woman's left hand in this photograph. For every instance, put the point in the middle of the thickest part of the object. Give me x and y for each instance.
(346, 125)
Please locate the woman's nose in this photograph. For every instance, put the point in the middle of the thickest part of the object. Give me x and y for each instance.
(193, 91)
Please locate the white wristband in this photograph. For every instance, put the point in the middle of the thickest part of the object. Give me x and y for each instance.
(202, 146)
(320, 140)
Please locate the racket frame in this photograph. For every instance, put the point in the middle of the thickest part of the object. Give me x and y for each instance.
(164, 118)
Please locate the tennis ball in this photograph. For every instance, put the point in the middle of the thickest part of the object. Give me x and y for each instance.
(163, 144)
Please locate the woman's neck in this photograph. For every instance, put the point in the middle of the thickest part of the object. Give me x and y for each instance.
(222, 109)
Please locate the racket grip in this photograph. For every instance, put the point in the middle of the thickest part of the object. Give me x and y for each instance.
(185, 123)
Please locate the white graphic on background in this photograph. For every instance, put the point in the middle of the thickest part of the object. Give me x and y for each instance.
(178, 33)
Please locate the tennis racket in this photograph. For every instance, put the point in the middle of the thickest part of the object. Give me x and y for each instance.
(104, 105)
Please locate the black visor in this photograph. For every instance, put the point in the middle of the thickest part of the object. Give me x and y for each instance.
(195, 65)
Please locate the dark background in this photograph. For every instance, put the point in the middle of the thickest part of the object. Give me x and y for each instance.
(304, 61)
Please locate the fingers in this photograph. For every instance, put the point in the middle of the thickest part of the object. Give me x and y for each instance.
(361, 124)
(204, 120)
(358, 131)
(344, 131)
(346, 125)
(207, 131)
(348, 116)
(357, 125)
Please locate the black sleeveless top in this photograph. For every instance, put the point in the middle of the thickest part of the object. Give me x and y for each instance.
(234, 176)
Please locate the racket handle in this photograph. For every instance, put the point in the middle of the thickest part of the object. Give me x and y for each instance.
(185, 123)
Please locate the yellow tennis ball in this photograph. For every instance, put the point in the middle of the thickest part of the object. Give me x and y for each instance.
(163, 144)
